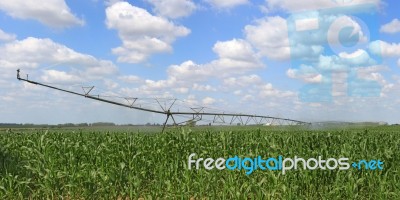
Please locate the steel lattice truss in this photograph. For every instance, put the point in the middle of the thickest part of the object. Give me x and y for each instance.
(179, 111)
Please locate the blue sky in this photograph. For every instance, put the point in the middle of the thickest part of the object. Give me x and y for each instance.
(231, 55)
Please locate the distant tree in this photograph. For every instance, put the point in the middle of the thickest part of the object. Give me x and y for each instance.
(69, 124)
(82, 124)
(103, 124)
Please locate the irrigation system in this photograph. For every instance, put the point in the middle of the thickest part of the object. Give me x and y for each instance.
(191, 114)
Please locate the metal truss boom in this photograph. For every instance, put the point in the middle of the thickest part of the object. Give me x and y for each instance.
(196, 115)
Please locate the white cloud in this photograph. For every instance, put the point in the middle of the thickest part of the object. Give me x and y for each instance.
(398, 62)
(247, 97)
(111, 2)
(32, 53)
(131, 79)
(250, 87)
(356, 54)
(157, 85)
(53, 13)
(372, 73)
(278, 39)
(356, 73)
(35, 51)
(270, 36)
(6, 36)
(51, 76)
(344, 62)
(99, 68)
(110, 84)
(191, 100)
(358, 58)
(181, 90)
(315, 79)
(208, 101)
(391, 27)
(237, 92)
(142, 34)
(235, 49)
(235, 57)
(242, 81)
(203, 88)
(267, 90)
(385, 49)
(288, 5)
(173, 8)
(189, 70)
(306, 5)
(305, 73)
(227, 3)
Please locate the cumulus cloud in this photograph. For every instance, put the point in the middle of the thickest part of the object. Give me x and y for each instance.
(191, 100)
(111, 2)
(267, 90)
(142, 34)
(203, 88)
(6, 36)
(188, 70)
(53, 63)
(345, 61)
(242, 81)
(33, 52)
(385, 49)
(130, 79)
(305, 73)
(251, 87)
(235, 57)
(372, 73)
(208, 101)
(354, 74)
(291, 6)
(53, 13)
(235, 49)
(326, 65)
(391, 27)
(52, 76)
(227, 3)
(173, 8)
(270, 36)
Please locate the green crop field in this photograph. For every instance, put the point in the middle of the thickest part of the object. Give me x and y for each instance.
(93, 164)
